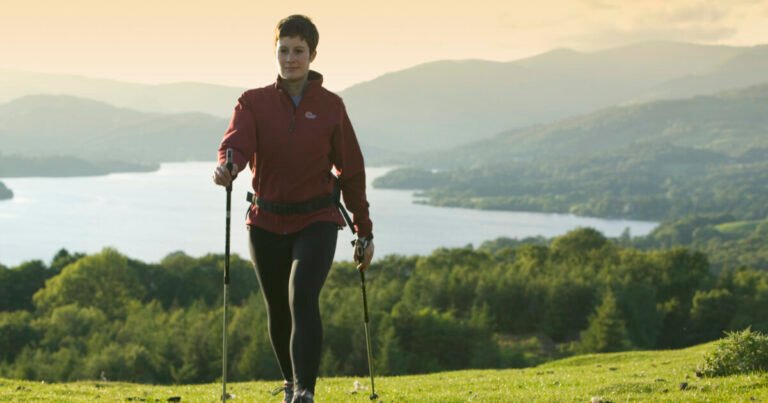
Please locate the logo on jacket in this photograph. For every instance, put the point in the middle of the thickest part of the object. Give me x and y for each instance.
(310, 115)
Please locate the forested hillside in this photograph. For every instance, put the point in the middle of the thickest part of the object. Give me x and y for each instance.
(727, 241)
(658, 161)
(698, 165)
(505, 304)
(649, 182)
(731, 123)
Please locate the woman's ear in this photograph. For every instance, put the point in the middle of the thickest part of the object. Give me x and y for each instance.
(312, 56)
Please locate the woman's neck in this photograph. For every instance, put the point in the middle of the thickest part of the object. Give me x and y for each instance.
(295, 88)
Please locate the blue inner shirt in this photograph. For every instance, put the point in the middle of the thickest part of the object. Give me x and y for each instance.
(296, 99)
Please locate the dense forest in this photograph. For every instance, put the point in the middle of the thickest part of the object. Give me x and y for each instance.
(727, 241)
(507, 303)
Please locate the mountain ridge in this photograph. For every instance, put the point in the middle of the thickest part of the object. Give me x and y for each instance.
(442, 104)
(93, 130)
(730, 122)
(416, 110)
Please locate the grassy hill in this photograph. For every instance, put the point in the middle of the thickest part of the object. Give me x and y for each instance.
(615, 377)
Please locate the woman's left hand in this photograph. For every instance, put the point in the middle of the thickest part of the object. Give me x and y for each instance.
(367, 256)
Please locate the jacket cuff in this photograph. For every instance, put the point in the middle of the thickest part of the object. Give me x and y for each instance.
(364, 229)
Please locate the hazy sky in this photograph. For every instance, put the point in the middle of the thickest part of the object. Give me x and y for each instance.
(230, 41)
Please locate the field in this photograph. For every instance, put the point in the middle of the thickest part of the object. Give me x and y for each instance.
(620, 377)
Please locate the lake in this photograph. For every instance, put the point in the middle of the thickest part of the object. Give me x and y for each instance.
(178, 208)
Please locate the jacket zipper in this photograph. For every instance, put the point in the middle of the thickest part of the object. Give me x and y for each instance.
(294, 109)
(291, 128)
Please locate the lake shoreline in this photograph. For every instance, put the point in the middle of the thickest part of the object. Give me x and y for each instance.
(148, 215)
(54, 166)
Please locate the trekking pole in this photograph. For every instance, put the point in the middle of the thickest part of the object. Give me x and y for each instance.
(374, 396)
(360, 255)
(226, 285)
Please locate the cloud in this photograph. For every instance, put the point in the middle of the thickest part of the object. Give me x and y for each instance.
(691, 14)
(608, 38)
(608, 24)
(600, 4)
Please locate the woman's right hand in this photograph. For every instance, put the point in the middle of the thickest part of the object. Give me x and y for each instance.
(222, 176)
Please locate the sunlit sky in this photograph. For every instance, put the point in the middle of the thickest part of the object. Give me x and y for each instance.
(231, 41)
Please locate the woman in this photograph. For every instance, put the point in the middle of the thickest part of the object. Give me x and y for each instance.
(291, 134)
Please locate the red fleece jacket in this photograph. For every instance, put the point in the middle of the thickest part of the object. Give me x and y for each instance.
(291, 151)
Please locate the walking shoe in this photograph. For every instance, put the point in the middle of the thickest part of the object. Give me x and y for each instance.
(303, 396)
(287, 389)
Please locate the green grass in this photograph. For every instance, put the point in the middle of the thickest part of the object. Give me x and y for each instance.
(620, 377)
(739, 228)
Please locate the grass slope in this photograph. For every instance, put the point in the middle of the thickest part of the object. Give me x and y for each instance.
(740, 228)
(618, 377)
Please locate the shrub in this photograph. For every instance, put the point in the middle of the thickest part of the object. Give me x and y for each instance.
(738, 353)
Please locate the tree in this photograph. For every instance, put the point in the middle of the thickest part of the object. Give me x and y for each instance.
(15, 333)
(607, 331)
(711, 313)
(577, 245)
(17, 285)
(103, 281)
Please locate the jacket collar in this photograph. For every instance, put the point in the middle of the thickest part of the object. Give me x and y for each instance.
(314, 80)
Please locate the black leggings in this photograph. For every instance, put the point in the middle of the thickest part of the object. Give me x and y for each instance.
(291, 270)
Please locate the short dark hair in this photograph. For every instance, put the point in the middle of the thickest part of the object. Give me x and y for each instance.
(298, 25)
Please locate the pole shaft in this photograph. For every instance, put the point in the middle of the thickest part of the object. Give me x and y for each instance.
(367, 335)
(224, 350)
(226, 286)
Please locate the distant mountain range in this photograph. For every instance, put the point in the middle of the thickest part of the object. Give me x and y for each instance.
(60, 125)
(433, 106)
(211, 99)
(660, 160)
(733, 122)
(443, 104)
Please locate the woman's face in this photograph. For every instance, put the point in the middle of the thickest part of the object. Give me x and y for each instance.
(293, 58)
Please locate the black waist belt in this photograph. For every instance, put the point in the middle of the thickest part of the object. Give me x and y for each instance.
(304, 207)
